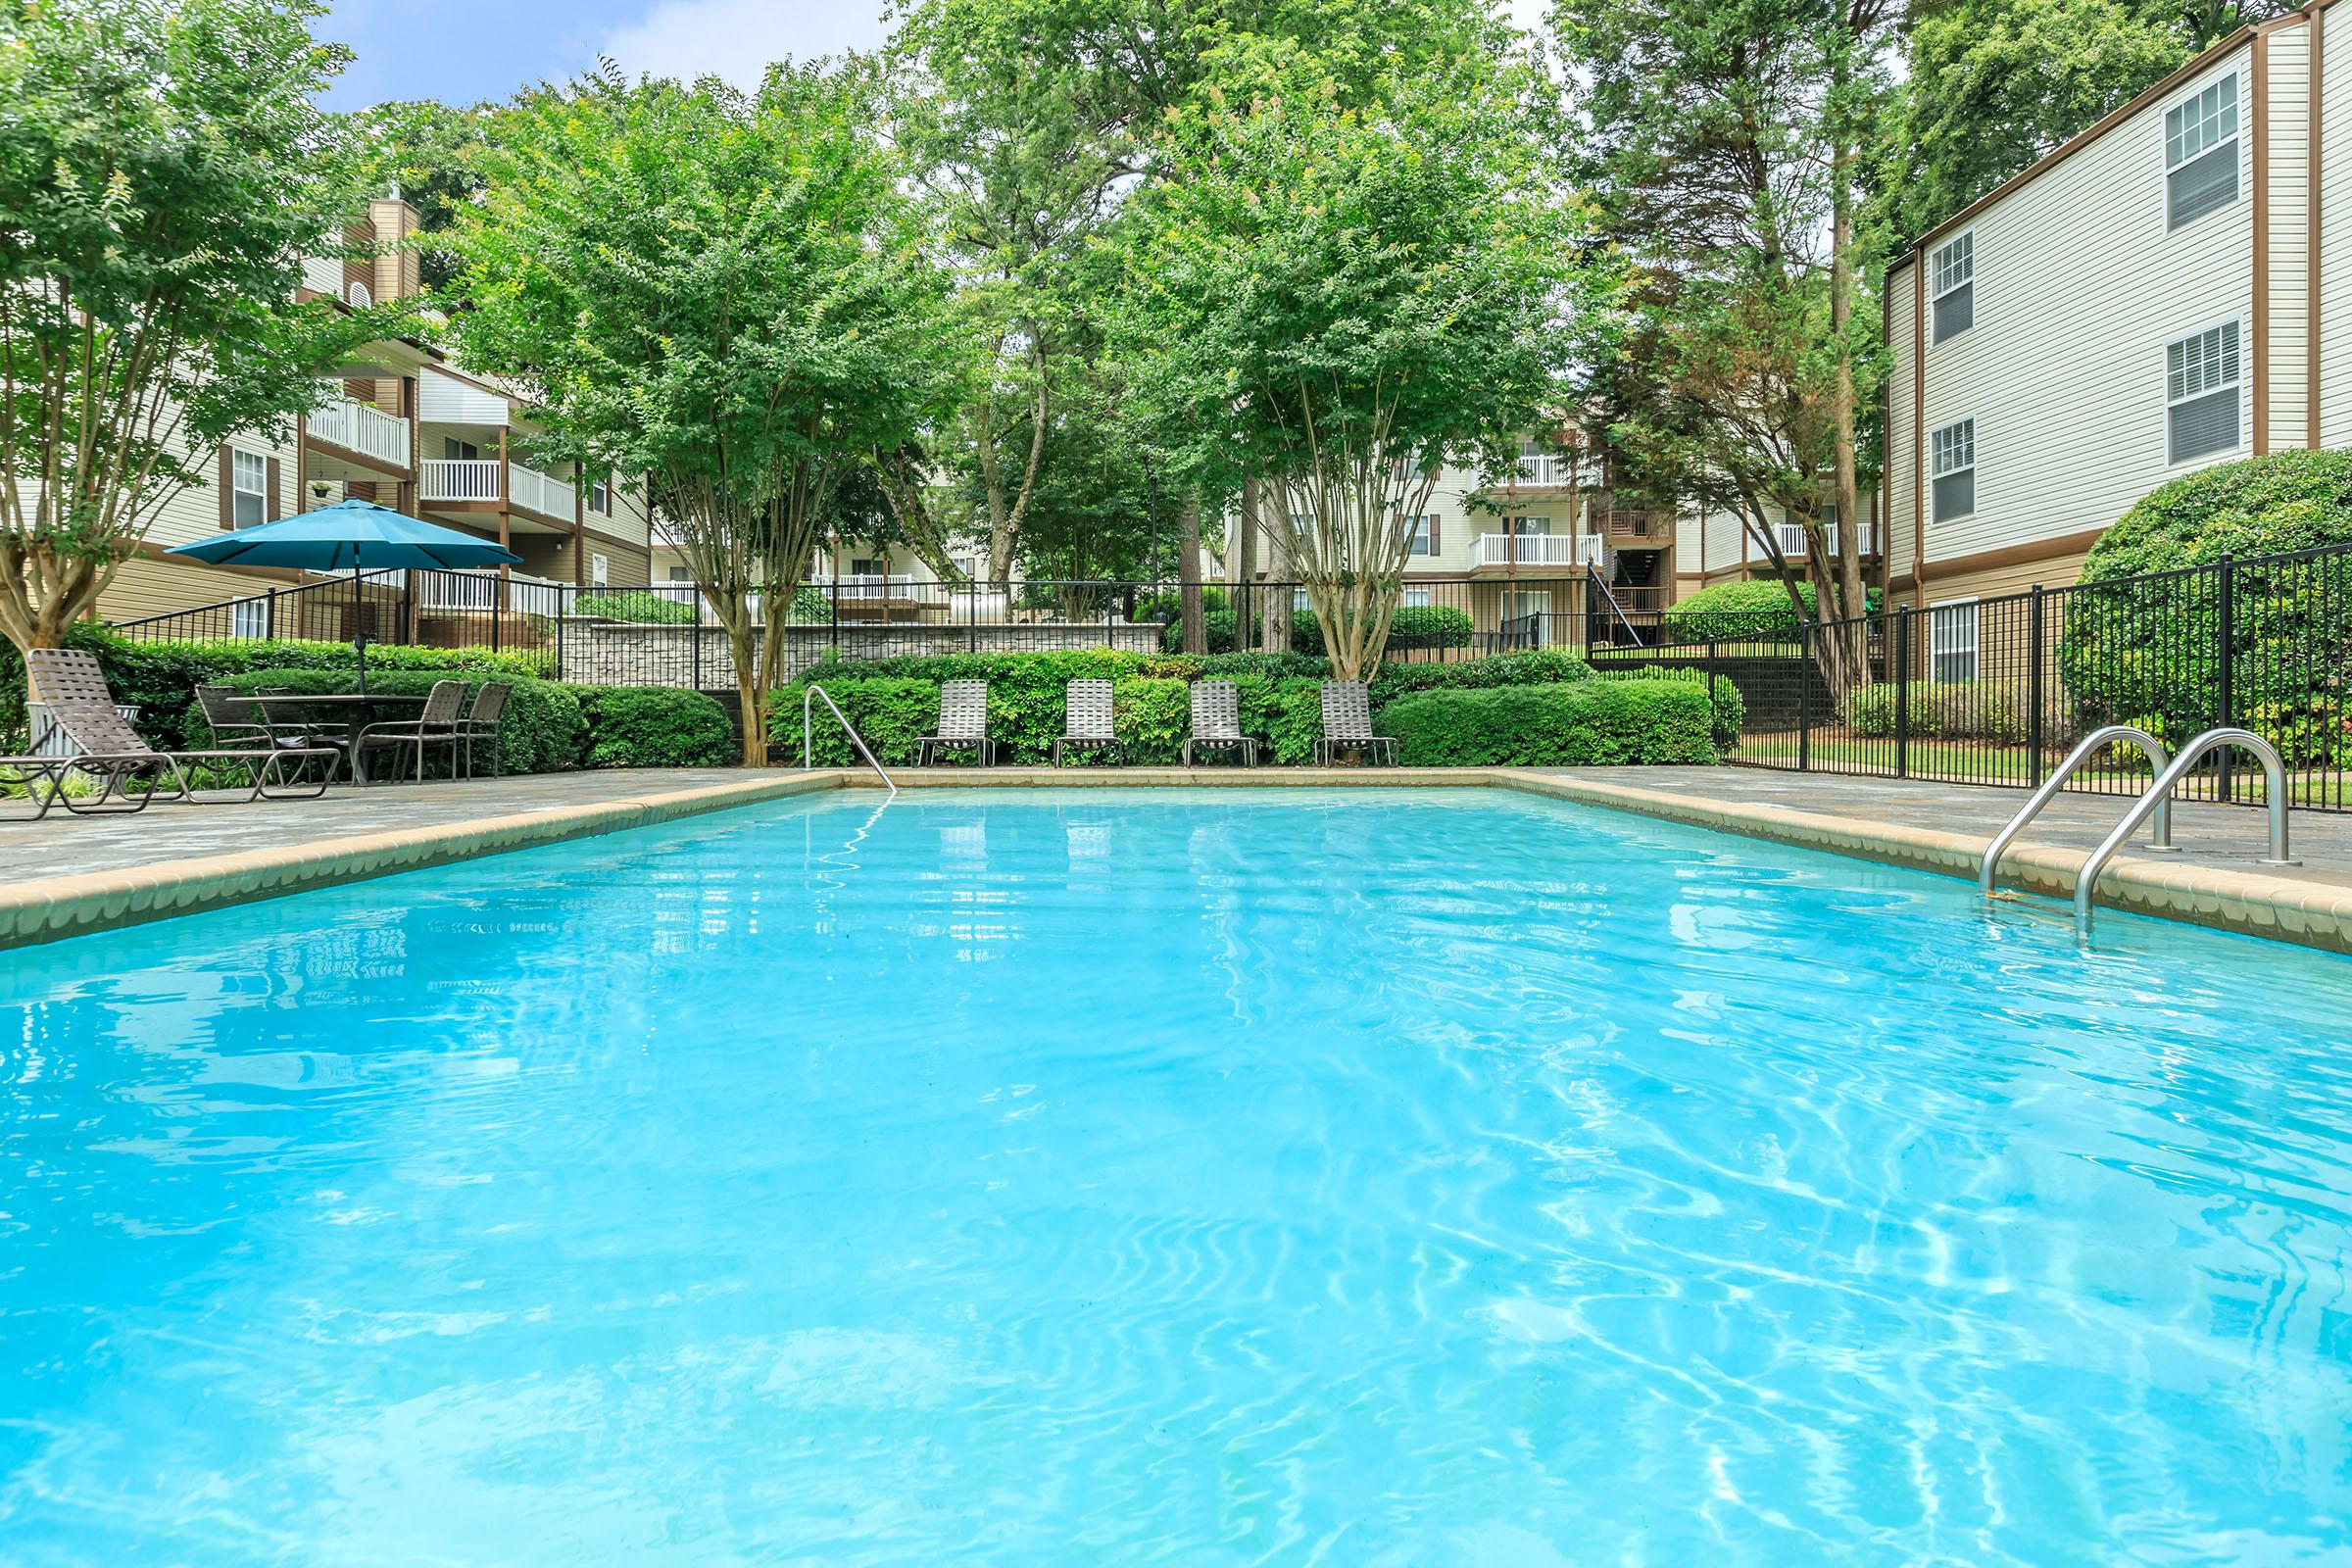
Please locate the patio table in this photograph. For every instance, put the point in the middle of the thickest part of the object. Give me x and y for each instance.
(359, 712)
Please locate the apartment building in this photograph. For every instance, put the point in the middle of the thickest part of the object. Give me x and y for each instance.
(408, 429)
(1718, 546)
(2147, 300)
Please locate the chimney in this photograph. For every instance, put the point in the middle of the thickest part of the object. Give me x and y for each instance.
(390, 220)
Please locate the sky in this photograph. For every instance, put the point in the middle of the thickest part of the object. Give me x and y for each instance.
(465, 51)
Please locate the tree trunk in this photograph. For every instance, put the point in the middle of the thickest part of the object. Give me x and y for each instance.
(1188, 567)
(1245, 551)
(750, 692)
(1852, 597)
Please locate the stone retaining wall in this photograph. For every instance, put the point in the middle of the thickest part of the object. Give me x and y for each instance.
(612, 653)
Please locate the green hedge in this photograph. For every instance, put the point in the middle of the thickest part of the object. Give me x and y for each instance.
(1414, 627)
(1957, 710)
(644, 607)
(655, 727)
(1579, 723)
(2145, 651)
(1730, 704)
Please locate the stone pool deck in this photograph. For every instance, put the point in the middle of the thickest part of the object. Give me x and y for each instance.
(66, 876)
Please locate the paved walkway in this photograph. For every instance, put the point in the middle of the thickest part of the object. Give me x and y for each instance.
(61, 845)
(2230, 837)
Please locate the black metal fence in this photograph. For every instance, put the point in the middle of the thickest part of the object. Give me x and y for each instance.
(1999, 690)
(668, 635)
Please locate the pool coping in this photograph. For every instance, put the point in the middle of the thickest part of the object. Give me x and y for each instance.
(2305, 912)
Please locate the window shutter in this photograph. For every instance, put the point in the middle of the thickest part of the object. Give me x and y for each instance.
(226, 483)
(1433, 546)
(2203, 184)
(271, 508)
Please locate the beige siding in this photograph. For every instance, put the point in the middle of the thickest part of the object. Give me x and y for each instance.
(2289, 180)
(1901, 454)
(2336, 233)
(2078, 289)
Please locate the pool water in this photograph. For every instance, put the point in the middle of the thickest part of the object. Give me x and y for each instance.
(1193, 1178)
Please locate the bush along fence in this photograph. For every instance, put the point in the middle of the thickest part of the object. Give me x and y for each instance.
(1999, 690)
(667, 635)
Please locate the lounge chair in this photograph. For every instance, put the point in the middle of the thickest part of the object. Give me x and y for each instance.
(480, 723)
(1217, 721)
(1085, 723)
(74, 689)
(35, 776)
(439, 723)
(1347, 723)
(963, 722)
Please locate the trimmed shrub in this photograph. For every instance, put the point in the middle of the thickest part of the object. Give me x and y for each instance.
(892, 713)
(644, 607)
(2147, 652)
(1579, 723)
(1414, 627)
(655, 727)
(540, 731)
(1730, 703)
(1958, 710)
(1536, 666)
(1734, 610)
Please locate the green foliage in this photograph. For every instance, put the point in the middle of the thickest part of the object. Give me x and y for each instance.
(1540, 666)
(163, 171)
(1936, 711)
(1152, 716)
(1732, 612)
(655, 727)
(1730, 704)
(540, 731)
(1580, 723)
(644, 607)
(1414, 627)
(892, 713)
(2145, 649)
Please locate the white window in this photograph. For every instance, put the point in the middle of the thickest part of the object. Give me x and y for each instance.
(681, 574)
(1298, 600)
(600, 497)
(249, 618)
(1531, 602)
(866, 566)
(1417, 598)
(1952, 643)
(1955, 471)
(1527, 525)
(249, 487)
(2200, 153)
(1952, 285)
(2200, 393)
(358, 296)
(1301, 522)
(598, 566)
(1425, 537)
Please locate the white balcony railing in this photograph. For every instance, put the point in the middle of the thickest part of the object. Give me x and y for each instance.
(362, 427)
(479, 590)
(1791, 536)
(544, 493)
(476, 479)
(1536, 550)
(458, 480)
(1546, 470)
(867, 586)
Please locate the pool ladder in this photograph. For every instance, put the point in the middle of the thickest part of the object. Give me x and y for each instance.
(808, 735)
(2154, 802)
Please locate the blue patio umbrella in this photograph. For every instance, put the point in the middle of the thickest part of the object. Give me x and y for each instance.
(356, 534)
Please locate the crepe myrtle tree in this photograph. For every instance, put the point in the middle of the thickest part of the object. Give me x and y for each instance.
(164, 170)
(1337, 298)
(727, 292)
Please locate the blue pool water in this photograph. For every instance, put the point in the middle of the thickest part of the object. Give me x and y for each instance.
(1389, 1179)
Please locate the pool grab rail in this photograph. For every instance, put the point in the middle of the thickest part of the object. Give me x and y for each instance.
(2158, 760)
(808, 735)
(2275, 803)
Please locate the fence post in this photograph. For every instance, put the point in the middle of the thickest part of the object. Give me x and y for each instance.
(836, 616)
(563, 614)
(698, 637)
(270, 616)
(2225, 635)
(1902, 692)
(2033, 692)
(971, 617)
(1710, 689)
(1804, 691)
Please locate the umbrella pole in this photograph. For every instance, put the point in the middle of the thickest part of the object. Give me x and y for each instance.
(359, 622)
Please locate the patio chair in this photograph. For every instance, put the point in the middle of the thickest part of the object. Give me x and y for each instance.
(1217, 721)
(238, 723)
(440, 723)
(34, 774)
(109, 751)
(963, 722)
(1085, 723)
(480, 723)
(1347, 723)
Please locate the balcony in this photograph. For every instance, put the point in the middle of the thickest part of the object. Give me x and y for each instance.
(1790, 537)
(1535, 550)
(363, 428)
(475, 480)
(1635, 527)
(1542, 472)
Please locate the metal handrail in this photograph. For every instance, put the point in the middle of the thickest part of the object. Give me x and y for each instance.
(2158, 760)
(2274, 778)
(808, 735)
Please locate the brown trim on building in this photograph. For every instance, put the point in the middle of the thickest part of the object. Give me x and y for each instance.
(2311, 245)
(227, 486)
(2025, 555)
(335, 449)
(2260, 328)
(273, 505)
(1919, 408)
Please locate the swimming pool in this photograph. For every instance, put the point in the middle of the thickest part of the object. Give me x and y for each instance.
(1415, 1177)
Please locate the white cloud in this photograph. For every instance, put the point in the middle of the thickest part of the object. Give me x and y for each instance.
(737, 38)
